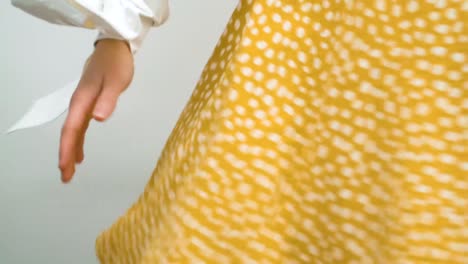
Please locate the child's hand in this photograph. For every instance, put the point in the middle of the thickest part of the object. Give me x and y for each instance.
(107, 73)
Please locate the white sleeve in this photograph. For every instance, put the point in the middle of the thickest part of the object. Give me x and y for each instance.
(128, 20)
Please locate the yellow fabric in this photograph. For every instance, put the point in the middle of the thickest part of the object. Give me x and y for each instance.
(319, 132)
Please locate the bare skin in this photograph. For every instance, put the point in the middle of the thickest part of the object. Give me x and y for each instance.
(107, 73)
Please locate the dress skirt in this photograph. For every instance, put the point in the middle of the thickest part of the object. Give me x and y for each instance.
(320, 131)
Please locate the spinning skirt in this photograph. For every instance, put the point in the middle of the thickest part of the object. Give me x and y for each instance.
(320, 131)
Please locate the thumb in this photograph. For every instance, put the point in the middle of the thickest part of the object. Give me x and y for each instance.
(106, 103)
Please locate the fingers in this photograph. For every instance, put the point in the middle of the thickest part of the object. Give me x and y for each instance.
(85, 100)
(107, 100)
(80, 147)
(74, 128)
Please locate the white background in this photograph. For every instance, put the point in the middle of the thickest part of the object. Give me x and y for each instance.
(42, 220)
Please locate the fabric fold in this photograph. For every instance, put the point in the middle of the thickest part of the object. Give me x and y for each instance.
(46, 108)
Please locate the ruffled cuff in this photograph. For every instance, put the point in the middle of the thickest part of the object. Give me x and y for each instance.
(128, 20)
(135, 43)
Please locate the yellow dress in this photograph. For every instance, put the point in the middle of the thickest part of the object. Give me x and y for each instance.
(319, 132)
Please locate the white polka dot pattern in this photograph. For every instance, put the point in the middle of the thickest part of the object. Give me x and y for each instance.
(321, 131)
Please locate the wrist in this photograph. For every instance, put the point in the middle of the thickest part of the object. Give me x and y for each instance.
(112, 42)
